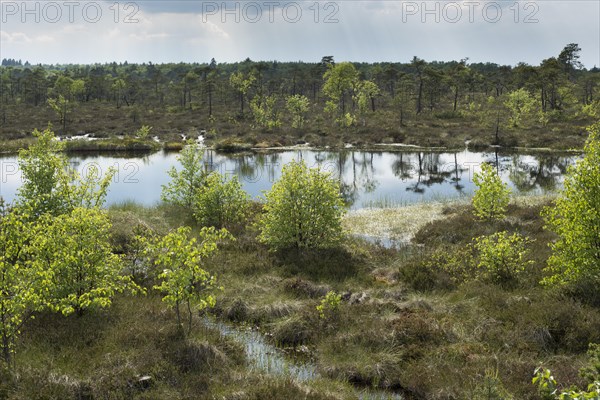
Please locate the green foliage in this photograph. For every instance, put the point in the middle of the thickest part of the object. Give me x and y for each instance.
(460, 266)
(242, 83)
(136, 263)
(49, 186)
(548, 388)
(183, 280)
(499, 258)
(43, 167)
(502, 257)
(297, 106)
(65, 90)
(184, 184)
(575, 218)
(221, 201)
(592, 109)
(143, 132)
(74, 252)
(329, 305)
(492, 196)
(340, 80)
(303, 209)
(365, 93)
(264, 111)
(547, 385)
(591, 372)
(20, 283)
(520, 104)
(60, 106)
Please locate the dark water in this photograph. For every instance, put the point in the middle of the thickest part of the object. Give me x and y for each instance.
(366, 178)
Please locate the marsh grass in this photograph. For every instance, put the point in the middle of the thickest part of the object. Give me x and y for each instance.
(435, 129)
(403, 325)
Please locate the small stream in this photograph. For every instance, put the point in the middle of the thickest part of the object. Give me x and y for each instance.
(272, 361)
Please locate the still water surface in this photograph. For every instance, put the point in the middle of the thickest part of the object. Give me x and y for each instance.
(366, 178)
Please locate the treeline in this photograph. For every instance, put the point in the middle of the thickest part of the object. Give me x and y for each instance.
(497, 96)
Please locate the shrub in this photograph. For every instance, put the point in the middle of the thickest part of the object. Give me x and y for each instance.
(502, 257)
(304, 209)
(50, 186)
(329, 305)
(182, 189)
(74, 252)
(576, 220)
(183, 280)
(221, 201)
(143, 132)
(492, 196)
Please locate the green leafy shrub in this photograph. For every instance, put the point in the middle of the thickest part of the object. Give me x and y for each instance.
(50, 186)
(575, 218)
(143, 132)
(330, 305)
(75, 254)
(20, 285)
(297, 105)
(492, 196)
(502, 257)
(221, 201)
(549, 388)
(182, 188)
(303, 209)
(183, 280)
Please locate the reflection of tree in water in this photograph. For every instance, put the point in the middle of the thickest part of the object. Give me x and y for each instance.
(546, 173)
(429, 172)
(209, 161)
(501, 163)
(457, 178)
(355, 173)
(366, 177)
(253, 167)
(401, 168)
(321, 157)
(415, 187)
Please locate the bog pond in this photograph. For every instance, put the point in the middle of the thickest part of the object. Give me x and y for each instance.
(367, 178)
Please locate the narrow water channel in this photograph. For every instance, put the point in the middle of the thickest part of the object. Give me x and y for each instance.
(272, 361)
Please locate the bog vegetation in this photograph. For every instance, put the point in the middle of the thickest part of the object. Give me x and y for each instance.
(113, 303)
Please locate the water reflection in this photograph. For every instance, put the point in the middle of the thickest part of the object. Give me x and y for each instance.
(365, 178)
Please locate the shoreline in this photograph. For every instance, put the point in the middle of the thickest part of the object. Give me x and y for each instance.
(150, 146)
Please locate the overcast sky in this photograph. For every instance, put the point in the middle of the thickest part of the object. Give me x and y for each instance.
(503, 32)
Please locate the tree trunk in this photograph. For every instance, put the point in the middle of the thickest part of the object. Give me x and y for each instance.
(189, 316)
(497, 129)
(420, 96)
(455, 98)
(210, 102)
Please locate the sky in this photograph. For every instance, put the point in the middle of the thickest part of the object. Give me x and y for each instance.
(158, 31)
